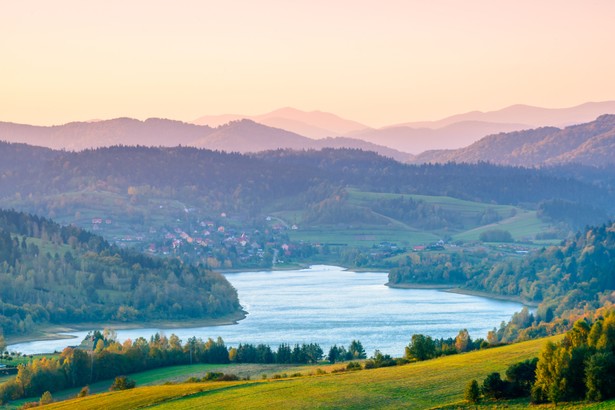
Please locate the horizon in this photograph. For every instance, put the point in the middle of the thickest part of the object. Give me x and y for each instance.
(248, 116)
(375, 64)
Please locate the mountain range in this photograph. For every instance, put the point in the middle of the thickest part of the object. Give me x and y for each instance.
(452, 132)
(313, 124)
(242, 136)
(452, 138)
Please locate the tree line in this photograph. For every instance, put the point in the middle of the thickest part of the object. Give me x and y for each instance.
(579, 367)
(102, 357)
(247, 184)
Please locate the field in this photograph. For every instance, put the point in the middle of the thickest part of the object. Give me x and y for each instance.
(419, 385)
(466, 209)
(364, 236)
(522, 224)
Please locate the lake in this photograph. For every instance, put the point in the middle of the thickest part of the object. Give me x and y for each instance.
(329, 305)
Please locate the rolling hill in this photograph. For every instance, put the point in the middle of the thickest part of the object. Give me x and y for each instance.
(419, 385)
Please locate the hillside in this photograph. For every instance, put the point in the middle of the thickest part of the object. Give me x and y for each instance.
(591, 143)
(54, 274)
(414, 386)
(576, 275)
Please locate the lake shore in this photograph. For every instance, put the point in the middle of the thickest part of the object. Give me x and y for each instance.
(507, 298)
(53, 332)
(462, 291)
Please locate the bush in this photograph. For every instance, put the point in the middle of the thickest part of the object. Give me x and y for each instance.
(46, 398)
(496, 235)
(122, 383)
(494, 386)
(212, 376)
(228, 378)
(85, 391)
(353, 366)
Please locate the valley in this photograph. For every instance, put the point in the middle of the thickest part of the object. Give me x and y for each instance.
(137, 230)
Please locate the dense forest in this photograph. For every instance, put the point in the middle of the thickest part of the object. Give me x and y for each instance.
(579, 274)
(63, 274)
(101, 357)
(250, 184)
(579, 367)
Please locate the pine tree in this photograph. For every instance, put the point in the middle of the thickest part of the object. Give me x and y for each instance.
(472, 392)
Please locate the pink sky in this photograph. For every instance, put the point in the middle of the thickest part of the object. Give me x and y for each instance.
(377, 62)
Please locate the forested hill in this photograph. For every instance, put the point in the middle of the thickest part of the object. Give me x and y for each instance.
(592, 143)
(63, 274)
(578, 274)
(246, 183)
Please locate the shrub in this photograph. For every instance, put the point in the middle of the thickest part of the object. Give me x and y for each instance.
(496, 235)
(494, 386)
(85, 391)
(228, 378)
(353, 366)
(46, 398)
(122, 383)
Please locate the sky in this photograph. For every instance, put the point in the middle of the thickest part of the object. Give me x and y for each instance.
(378, 62)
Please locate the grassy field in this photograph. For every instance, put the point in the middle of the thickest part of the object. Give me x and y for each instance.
(466, 209)
(420, 385)
(523, 226)
(363, 237)
(179, 374)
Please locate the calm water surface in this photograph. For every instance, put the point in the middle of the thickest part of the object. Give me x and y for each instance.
(329, 305)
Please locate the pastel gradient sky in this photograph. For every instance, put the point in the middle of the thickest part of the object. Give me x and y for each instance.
(374, 61)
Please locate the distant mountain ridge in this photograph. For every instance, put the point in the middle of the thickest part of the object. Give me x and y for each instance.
(417, 140)
(530, 116)
(242, 136)
(289, 128)
(591, 143)
(313, 124)
(452, 132)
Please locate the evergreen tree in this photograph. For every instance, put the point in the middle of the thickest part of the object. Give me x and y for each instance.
(356, 350)
(472, 392)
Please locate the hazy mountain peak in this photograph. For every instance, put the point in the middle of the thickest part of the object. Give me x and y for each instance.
(313, 124)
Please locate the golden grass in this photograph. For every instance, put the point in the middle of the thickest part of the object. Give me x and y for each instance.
(415, 386)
